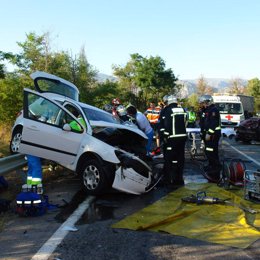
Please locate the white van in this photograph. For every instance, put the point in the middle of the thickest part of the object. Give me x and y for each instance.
(230, 109)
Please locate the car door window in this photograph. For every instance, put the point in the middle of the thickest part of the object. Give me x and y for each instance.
(72, 122)
(40, 109)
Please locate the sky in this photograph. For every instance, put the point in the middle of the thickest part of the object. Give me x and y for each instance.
(209, 38)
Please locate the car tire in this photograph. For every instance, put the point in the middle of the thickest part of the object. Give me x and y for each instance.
(94, 177)
(16, 140)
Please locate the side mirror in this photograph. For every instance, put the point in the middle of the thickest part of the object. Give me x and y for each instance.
(66, 127)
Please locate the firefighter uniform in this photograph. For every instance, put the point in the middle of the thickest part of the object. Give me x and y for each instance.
(173, 131)
(213, 134)
(202, 115)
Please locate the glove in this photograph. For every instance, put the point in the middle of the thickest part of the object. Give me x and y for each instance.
(207, 137)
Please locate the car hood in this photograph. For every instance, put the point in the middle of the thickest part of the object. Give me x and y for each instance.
(99, 125)
(127, 138)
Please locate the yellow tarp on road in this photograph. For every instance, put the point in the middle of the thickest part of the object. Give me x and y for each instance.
(223, 224)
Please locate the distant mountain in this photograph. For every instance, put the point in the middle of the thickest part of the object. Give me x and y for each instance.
(189, 85)
(218, 85)
(101, 77)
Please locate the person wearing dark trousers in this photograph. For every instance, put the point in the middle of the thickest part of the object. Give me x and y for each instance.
(213, 134)
(201, 116)
(173, 130)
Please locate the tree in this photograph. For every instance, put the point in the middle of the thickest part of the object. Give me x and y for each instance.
(253, 89)
(193, 101)
(5, 56)
(203, 87)
(144, 79)
(103, 93)
(236, 86)
(83, 76)
(11, 96)
(35, 55)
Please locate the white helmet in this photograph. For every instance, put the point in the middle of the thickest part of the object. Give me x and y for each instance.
(165, 98)
(207, 99)
(172, 99)
(121, 110)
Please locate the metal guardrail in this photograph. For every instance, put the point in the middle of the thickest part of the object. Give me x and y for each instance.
(12, 163)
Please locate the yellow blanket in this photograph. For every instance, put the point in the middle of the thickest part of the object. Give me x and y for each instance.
(229, 225)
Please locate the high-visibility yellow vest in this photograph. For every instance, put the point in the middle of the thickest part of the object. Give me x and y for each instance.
(191, 116)
(75, 126)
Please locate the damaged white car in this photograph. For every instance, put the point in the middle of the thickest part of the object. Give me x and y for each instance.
(105, 152)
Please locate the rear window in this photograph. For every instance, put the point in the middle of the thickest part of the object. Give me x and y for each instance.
(57, 87)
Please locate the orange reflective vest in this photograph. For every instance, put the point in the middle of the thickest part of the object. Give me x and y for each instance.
(153, 114)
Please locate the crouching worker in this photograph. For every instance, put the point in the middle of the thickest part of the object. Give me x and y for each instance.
(34, 174)
(31, 201)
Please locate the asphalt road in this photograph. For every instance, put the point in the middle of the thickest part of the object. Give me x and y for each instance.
(92, 236)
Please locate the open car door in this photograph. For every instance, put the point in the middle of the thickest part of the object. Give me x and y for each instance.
(46, 131)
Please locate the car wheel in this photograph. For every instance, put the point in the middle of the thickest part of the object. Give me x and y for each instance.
(95, 180)
(16, 140)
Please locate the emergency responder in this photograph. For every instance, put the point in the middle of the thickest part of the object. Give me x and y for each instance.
(191, 118)
(173, 130)
(212, 126)
(143, 124)
(115, 103)
(201, 116)
(152, 114)
(34, 175)
(74, 124)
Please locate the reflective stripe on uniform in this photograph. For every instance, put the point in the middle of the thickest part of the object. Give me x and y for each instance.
(169, 148)
(211, 131)
(36, 179)
(172, 136)
(28, 202)
(209, 149)
(166, 133)
(218, 128)
(37, 201)
(177, 111)
(174, 161)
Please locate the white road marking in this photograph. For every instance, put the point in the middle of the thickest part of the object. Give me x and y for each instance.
(248, 157)
(48, 248)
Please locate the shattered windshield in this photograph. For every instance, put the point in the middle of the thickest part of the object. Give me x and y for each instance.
(229, 108)
(96, 115)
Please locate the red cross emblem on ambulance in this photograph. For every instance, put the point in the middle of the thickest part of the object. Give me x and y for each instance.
(228, 117)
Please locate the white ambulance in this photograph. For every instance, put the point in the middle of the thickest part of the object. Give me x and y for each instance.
(230, 108)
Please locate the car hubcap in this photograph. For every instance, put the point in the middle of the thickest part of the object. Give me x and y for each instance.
(16, 142)
(91, 177)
